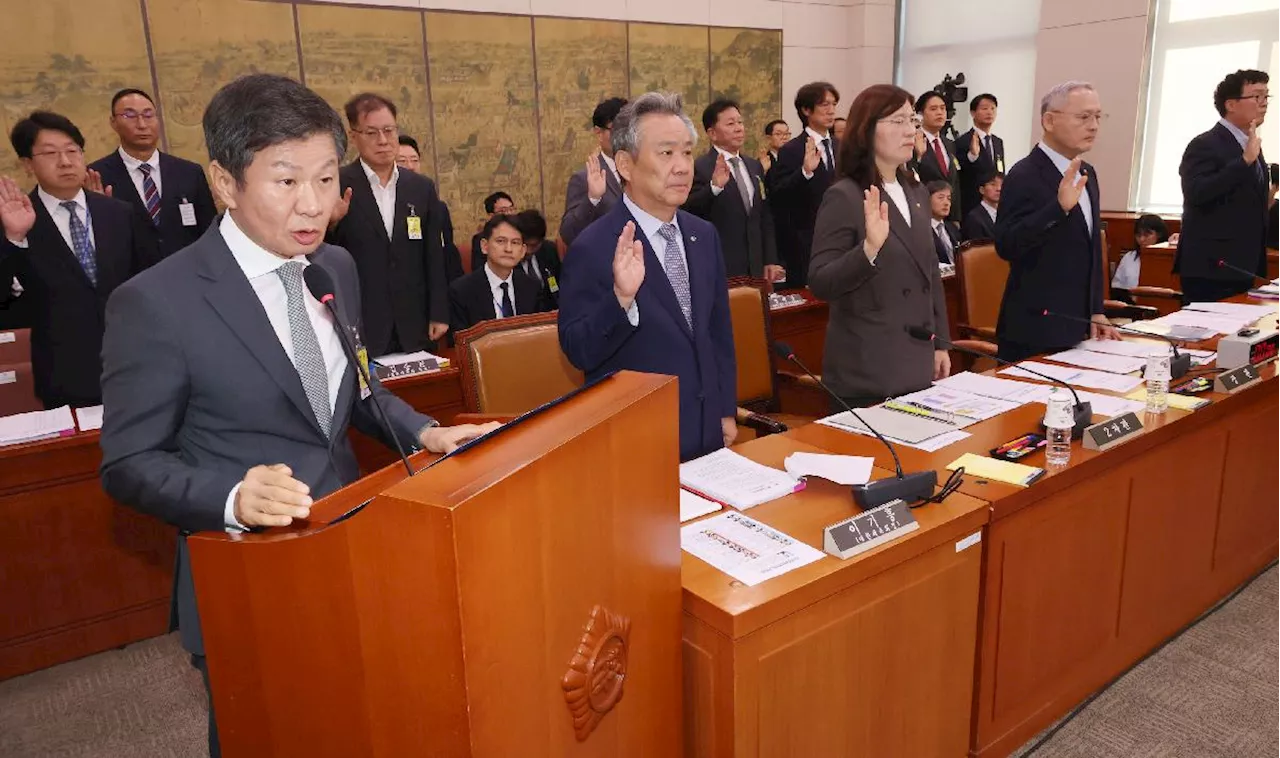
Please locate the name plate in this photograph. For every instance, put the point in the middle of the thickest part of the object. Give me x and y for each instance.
(409, 368)
(868, 529)
(1237, 379)
(1112, 432)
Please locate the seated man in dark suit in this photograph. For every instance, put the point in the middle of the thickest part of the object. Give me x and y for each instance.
(497, 204)
(593, 191)
(980, 222)
(946, 238)
(644, 287)
(173, 193)
(981, 153)
(541, 258)
(935, 152)
(498, 289)
(69, 249)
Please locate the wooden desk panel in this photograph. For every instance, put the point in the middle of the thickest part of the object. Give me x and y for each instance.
(1120, 230)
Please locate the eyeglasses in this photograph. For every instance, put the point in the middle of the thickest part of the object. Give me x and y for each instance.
(389, 132)
(1261, 99)
(1085, 118)
(132, 115)
(902, 122)
(72, 154)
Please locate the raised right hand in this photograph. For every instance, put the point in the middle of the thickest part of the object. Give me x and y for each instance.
(628, 266)
(596, 183)
(270, 496)
(340, 208)
(920, 143)
(766, 160)
(811, 156)
(1253, 146)
(17, 215)
(975, 145)
(93, 183)
(876, 215)
(1068, 190)
(720, 175)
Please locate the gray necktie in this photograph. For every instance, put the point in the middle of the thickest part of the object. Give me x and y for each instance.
(677, 271)
(742, 180)
(307, 358)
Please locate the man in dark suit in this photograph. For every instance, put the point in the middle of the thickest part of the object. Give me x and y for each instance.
(171, 192)
(946, 237)
(1225, 194)
(409, 158)
(497, 204)
(980, 222)
(593, 191)
(498, 289)
(388, 220)
(1049, 230)
(644, 288)
(227, 392)
(541, 258)
(935, 152)
(981, 152)
(805, 168)
(69, 249)
(776, 134)
(729, 191)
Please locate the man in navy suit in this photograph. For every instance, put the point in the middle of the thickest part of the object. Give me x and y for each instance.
(644, 286)
(980, 153)
(171, 192)
(1049, 230)
(1225, 194)
(806, 166)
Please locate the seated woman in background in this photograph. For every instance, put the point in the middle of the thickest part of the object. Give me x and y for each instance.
(873, 258)
(1149, 229)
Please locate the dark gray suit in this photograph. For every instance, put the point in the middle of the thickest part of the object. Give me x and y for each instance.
(868, 352)
(578, 210)
(197, 389)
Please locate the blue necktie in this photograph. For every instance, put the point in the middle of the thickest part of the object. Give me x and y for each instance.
(83, 248)
(151, 195)
(507, 309)
(677, 271)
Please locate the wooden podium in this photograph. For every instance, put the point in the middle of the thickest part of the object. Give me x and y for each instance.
(521, 598)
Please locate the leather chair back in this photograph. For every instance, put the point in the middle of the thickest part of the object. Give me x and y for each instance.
(749, 312)
(982, 276)
(513, 365)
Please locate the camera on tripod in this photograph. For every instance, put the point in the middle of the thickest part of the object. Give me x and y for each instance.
(953, 91)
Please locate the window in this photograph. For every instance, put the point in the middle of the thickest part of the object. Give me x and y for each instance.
(1195, 44)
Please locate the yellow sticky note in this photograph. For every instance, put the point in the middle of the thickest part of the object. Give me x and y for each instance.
(996, 470)
(1181, 402)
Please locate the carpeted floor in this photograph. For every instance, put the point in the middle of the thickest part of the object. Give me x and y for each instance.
(1211, 693)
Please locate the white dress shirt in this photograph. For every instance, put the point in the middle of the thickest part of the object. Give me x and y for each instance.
(990, 209)
(1061, 161)
(899, 197)
(385, 197)
(649, 226)
(1127, 271)
(259, 267)
(822, 151)
(495, 290)
(62, 218)
(1236, 132)
(742, 175)
(131, 165)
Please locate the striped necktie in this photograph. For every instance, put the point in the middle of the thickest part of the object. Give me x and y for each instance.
(150, 195)
(80, 241)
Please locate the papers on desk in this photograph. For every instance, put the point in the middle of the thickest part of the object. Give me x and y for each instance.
(846, 423)
(1110, 405)
(1131, 348)
(730, 478)
(960, 403)
(1116, 364)
(744, 548)
(1177, 332)
(841, 469)
(1079, 376)
(990, 386)
(894, 424)
(36, 425)
(693, 505)
(1235, 310)
(89, 418)
(1210, 322)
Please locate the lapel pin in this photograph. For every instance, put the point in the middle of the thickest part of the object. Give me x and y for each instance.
(692, 238)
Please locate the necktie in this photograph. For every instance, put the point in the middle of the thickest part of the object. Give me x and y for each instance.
(986, 146)
(150, 195)
(942, 244)
(508, 310)
(677, 272)
(83, 248)
(941, 155)
(744, 182)
(826, 149)
(307, 358)
(531, 269)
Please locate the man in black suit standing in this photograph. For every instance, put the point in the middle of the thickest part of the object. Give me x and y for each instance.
(729, 191)
(409, 158)
(980, 222)
(173, 193)
(69, 249)
(982, 151)
(776, 134)
(1049, 230)
(541, 258)
(593, 191)
(1225, 194)
(388, 220)
(499, 288)
(935, 152)
(804, 170)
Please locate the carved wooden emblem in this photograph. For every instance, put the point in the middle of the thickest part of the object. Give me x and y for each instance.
(593, 684)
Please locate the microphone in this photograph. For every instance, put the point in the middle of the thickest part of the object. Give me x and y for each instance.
(320, 285)
(906, 487)
(1178, 367)
(1223, 264)
(1083, 414)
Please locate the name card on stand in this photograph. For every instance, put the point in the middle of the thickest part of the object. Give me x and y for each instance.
(868, 529)
(1237, 379)
(1112, 432)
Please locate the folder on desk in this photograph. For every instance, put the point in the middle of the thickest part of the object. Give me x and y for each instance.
(908, 427)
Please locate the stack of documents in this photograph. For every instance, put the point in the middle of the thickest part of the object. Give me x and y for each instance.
(1082, 377)
(1235, 310)
(1022, 392)
(1116, 364)
(959, 403)
(841, 469)
(727, 477)
(744, 548)
(36, 425)
(693, 505)
(1267, 291)
(1213, 322)
(996, 470)
(89, 419)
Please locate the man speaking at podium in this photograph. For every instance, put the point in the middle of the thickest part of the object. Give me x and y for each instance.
(226, 391)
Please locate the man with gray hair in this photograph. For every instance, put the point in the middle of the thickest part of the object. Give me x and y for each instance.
(643, 288)
(1049, 230)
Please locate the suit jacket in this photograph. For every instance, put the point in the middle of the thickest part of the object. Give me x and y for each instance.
(795, 205)
(180, 181)
(471, 300)
(452, 256)
(1055, 262)
(978, 225)
(868, 351)
(403, 280)
(1224, 209)
(597, 337)
(953, 234)
(929, 170)
(578, 210)
(197, 390)
(747, 238)
(547, 259)
(66, 309)
(971, 172)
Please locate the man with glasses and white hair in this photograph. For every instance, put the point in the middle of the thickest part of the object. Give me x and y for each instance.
(644, 287)
(1049, 231)
(1226, 193)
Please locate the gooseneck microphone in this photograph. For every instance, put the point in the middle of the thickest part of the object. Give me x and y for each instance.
(1223, 264)
(906, 487)
(1083, 413)
(320, 285)
(1178, 367)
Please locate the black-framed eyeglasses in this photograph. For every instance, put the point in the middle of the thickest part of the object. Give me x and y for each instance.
(1260, 99)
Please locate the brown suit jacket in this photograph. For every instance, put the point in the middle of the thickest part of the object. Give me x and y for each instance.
(868, 350)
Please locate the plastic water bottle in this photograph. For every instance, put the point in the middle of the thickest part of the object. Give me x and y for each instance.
(1059, 421)
(1157, 375)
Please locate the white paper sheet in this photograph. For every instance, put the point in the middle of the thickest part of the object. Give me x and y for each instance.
(1078, 376)
(36, 425)
(731, 478)
(990, 386)
(1109, 405)
(841, 469)
(928, 445)
(89, 418)
(693, 505)
(960, 402)
(1116, 364)
(1217, 323)
(1139, 348)
(744, 548)
(1236, 310)
(396, 359)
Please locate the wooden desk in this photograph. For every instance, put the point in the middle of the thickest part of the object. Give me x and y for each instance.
(871, 656)
(1157, 266)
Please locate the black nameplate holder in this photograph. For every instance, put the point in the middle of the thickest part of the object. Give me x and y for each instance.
(1236, 379)
(1112, 432)
(869, 529)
